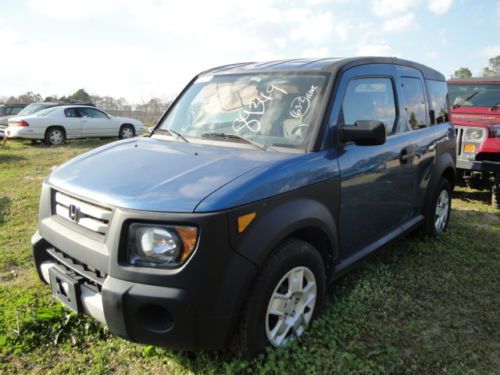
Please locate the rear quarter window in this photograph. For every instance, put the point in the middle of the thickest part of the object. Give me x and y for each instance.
(438, 101)
(414, 102)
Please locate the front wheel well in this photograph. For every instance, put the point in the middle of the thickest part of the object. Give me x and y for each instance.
(449, 174)
(320, 241)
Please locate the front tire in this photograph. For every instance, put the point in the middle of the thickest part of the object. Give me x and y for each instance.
(126, 131)
(55, 136)
(438, 211)
(286, 296)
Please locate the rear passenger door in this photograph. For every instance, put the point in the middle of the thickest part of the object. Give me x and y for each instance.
(376, 183)
(416, 129)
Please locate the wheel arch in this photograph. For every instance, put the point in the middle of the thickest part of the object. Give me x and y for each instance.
(444, 167)
(65, 133)
(305, 219)
(56, 126)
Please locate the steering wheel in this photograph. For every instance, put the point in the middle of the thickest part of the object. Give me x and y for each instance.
(297, 131)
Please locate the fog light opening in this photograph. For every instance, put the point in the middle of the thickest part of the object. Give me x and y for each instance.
(155, 318)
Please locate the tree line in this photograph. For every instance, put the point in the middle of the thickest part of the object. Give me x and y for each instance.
(153, 105)
(492, 70)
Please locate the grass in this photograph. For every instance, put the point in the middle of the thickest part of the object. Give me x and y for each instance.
(423, 306)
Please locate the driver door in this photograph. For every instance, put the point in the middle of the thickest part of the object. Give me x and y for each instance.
(376, 183)
(95, 123)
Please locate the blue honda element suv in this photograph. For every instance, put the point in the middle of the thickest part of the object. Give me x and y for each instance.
(260, 186)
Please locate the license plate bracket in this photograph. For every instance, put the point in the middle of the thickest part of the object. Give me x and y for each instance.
(65, 288)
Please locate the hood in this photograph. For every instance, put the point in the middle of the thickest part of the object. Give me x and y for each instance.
(475, 116)
(155, 175)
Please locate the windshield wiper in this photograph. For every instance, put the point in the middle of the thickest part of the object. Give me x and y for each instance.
(466, 99)
(172, 132)
(235, 137)
(494, 106)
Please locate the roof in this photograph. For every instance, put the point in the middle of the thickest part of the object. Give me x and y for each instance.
(475, 79)
(330, 64)
(64, 106)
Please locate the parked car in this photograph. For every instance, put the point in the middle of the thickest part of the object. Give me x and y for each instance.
(7, 111)
(476, 116)
(261, 185)
(10, 109)
(55, 125)
(30, 109)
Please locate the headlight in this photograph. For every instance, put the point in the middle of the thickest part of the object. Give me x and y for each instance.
(164, 246)
(494, 131)
(474, 134)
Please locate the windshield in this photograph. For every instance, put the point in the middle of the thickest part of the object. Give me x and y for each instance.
(474, 95)
(34, 108)
(264, 109)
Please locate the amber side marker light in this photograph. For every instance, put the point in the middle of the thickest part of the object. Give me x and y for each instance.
(469, 148)
(189, 237)
(244, 221)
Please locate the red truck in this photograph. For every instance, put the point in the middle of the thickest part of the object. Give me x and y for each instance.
(475, 112)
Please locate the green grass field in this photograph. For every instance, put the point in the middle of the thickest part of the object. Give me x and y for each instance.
(423, 306)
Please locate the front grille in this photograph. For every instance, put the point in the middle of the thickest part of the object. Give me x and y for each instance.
(459, 135)
(87, 215)
(92, 277)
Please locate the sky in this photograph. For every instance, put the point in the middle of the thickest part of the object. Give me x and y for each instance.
(138, 49)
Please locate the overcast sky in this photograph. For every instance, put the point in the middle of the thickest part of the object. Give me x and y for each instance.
(142, 48)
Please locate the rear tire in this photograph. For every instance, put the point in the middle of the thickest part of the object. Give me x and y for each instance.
(437, 213)
(126, 131)
(286, 296)
(55, 136)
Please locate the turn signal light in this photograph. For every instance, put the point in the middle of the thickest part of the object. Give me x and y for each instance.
(244, 221)
(469, 148)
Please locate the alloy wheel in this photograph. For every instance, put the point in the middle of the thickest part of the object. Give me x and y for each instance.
(442, 211)
(291, 306)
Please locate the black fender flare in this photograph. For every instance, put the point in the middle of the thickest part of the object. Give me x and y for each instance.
(274, 224)
(443, 163)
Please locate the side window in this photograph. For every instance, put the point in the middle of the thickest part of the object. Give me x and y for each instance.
(438, 97)
(91, 112)
(16, 110)
(415, 102)
(71, 112)
(370, 99)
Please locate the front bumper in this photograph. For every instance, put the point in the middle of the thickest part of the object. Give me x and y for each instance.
(479, 166)
(193, 307)
(138, 312)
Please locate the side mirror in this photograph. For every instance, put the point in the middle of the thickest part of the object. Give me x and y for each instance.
(364, 133)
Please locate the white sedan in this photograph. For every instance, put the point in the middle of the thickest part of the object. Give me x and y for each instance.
(55, 125)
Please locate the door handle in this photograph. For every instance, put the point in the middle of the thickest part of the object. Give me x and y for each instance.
(405, 155)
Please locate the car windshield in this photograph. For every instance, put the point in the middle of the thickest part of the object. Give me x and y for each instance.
(278, 110)
(474, 95)
(34, 108)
